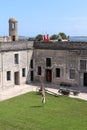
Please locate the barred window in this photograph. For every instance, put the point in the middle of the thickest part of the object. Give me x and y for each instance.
(82, 64)
(72, 74)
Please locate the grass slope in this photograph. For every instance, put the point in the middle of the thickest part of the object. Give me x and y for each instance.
(26, 112)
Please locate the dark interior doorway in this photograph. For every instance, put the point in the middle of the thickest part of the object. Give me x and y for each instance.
(32, 76)
(13, 38)
(85, 79)
(16, 78)
(48, 75)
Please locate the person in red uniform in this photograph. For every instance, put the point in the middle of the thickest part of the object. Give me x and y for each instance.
(45, 38)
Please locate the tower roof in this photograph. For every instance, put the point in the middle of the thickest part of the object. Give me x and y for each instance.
(13, 19)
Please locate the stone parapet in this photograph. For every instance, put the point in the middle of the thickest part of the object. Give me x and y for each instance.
(15, 46)
(61, 45)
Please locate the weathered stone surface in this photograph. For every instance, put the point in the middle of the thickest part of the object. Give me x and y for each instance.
(15, 46)
(64, 55)
(7, 62)
(61, 45)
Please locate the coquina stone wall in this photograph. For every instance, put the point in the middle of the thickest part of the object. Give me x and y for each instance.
(65, 56)
(24, 50)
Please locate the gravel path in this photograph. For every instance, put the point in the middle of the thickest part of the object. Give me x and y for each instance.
(18, 90)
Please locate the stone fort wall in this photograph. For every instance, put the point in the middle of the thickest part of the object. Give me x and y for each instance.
(24, 50)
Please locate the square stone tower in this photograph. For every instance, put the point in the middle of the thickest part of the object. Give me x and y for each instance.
(13, 29)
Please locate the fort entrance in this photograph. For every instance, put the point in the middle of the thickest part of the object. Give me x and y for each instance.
(48, 75)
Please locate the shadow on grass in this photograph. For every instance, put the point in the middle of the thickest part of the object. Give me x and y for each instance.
(36, 106)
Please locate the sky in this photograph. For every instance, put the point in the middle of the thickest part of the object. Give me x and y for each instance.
(45, 17)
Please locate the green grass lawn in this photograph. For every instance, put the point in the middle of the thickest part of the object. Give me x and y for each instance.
(26, 112)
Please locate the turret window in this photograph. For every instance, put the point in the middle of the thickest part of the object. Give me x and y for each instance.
(13, 25)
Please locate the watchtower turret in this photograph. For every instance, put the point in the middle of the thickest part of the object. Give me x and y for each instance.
(13, 29)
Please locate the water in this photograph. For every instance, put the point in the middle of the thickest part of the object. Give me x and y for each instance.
(72, 38)
(78, 38)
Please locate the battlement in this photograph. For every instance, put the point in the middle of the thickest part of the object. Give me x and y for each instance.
(61, 45)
